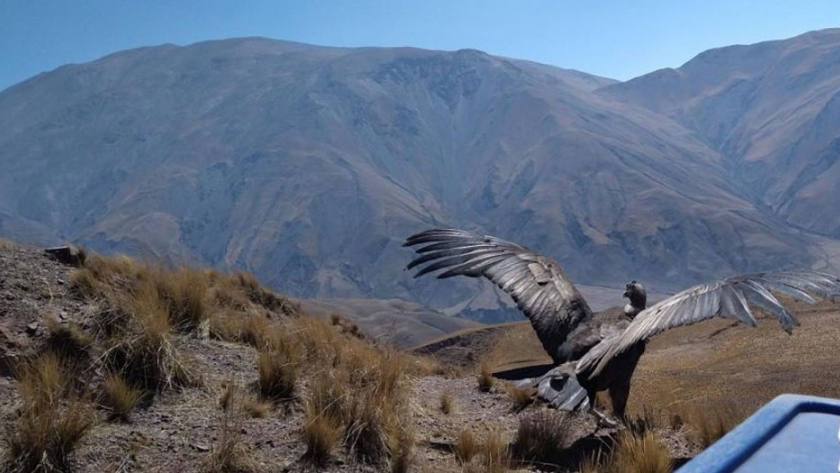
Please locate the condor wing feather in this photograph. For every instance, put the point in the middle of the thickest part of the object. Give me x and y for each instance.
(728, 298)
(536, 283)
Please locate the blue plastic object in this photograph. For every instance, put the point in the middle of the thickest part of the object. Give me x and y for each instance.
(791, 433)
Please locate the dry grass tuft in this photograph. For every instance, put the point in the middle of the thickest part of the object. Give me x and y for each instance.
(446, 404)
(119, 397)
(363, 388)
(184, 292)
(278, 369)
(639, 453)
(709, 423)
(321, 433)
(541, 437)
(49, 426)
(592, 463)
(85, 285)
(495, 453)
(402, 452)
(466, 446)
(69, 342)
(8, 245)
(142, 351)
(230, 455)
(425, 365)
(485, 379)
(260, 295)
(255, 408)
(521, 397)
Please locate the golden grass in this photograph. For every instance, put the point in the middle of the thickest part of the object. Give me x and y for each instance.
(230, 454)
(321, 433)
(192, 298)
(259, 295)
(143, 303)
(50, 425)
(495, 453)
(466, 446)
(8, 245)
(278, 367)
(592, 463)
(361, 387)
(485, 379)
(255, 408)
(278, 376)
(346, 326)
(639, 453)
(119, 397)
(185, 294)
(402, 452)
(707, 423)
(68, 341)
(143, 352)
(541, 437)
(520, 397)
(446, 405)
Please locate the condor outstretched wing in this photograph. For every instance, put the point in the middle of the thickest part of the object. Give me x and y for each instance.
(728, 298)
(536, 283)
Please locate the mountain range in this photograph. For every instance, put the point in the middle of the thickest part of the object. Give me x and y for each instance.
(309, 165)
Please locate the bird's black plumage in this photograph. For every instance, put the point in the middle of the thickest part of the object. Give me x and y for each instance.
(595, 352)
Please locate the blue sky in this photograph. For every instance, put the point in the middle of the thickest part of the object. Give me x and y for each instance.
(618, 39)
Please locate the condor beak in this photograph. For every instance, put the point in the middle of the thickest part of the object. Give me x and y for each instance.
(627, 294)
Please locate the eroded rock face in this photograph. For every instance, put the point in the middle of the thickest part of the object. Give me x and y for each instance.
(308, 166)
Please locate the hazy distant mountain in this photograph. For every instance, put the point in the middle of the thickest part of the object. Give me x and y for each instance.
(310, 165)
(772, 110)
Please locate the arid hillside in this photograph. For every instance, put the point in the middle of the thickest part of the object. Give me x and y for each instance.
(113, 365)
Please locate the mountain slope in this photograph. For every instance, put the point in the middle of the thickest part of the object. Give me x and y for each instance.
(772, 110)
(310, 165)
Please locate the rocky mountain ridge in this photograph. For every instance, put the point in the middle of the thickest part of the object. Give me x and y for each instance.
(309, 165)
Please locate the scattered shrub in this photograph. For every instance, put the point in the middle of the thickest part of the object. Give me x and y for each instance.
(119, 397)
(49, 426)
(465, 447)
(540, 438)
(321, 432)
(709, 423)
(278, 369)
(184, 292)
(7, 245)
(495, 454)
(446, 403)
(520, 397)
(402, 452)
(255, 408)
(143, 353)
(230, 455)
(69, 341)
(485, 379)
(639, 453)
(364, 391)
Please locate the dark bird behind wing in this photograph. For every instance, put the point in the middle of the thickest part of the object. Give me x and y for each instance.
(536, 283)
